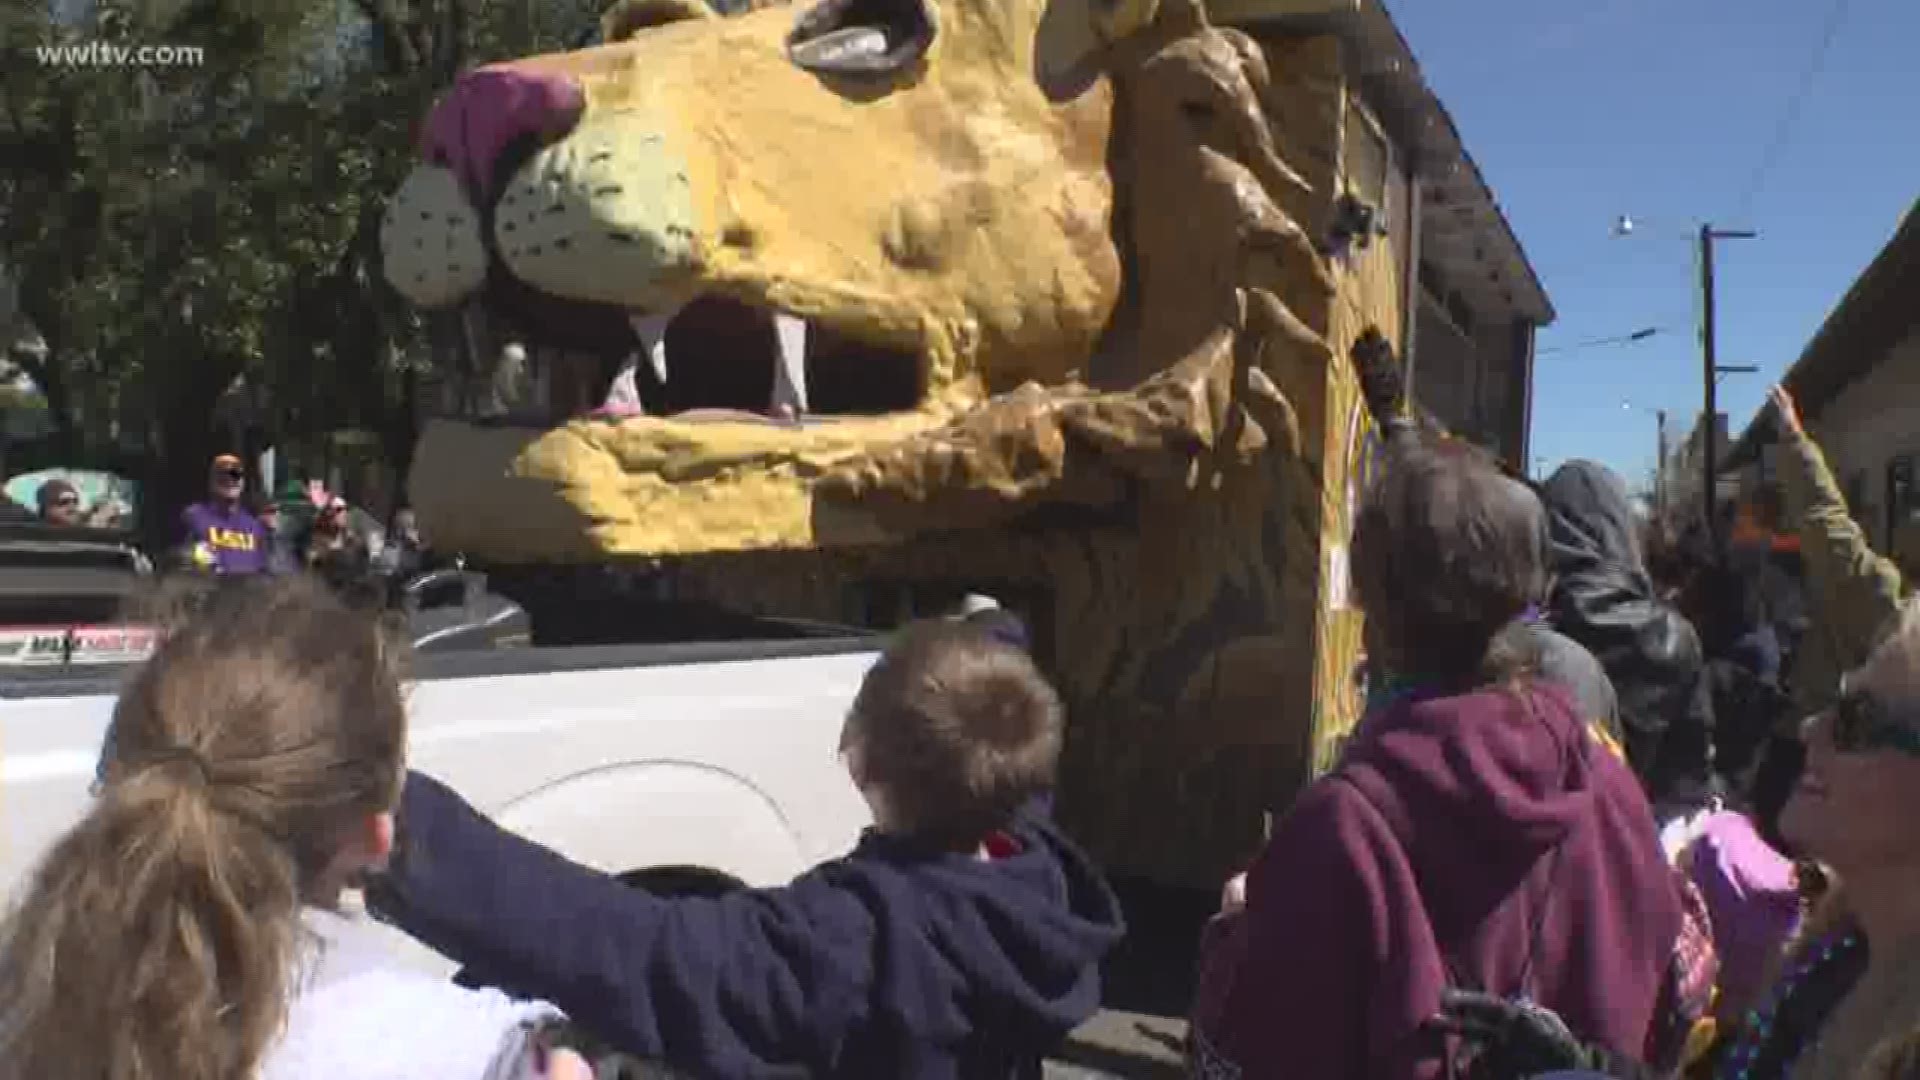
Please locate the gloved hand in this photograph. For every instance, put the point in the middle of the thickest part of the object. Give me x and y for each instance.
(1513, 1040)
(1382, 383)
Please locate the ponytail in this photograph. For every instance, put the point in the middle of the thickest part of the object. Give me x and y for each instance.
(158, 939)
(153, 944)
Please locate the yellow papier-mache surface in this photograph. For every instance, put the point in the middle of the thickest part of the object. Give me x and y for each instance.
(1095, 232)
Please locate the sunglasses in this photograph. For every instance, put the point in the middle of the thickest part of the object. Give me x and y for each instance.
(67, 500)
(230, 474)
(1862, 724)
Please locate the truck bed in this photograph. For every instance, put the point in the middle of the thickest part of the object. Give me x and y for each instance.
(714, 757)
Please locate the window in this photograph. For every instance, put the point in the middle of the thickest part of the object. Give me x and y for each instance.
(1460, 312)
(1903, 498)
(1857, 493)
(1367, 158)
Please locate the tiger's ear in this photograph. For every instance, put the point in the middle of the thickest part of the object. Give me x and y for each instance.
(625, 18)
(1117, 20)
(1077, 38)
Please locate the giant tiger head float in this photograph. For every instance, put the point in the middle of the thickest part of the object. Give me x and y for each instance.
(875, 267)
(899, 287)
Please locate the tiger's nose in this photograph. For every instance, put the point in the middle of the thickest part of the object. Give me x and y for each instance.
(490, 110)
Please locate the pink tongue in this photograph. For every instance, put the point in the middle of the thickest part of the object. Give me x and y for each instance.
(616, 412)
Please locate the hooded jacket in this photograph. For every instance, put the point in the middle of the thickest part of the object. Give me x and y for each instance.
(1603, 599)
(1483, 841)
(893, 961)
(1565, 661)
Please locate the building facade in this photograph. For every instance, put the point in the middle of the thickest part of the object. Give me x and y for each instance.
(1471, 301)
(1858, 387)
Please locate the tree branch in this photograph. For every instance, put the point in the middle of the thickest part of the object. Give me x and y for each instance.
(452, 48)
(393, 30)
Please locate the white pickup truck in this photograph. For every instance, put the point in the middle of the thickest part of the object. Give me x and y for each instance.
(681, 767)
(684, 768)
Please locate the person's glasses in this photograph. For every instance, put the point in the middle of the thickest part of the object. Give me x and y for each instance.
(67, 501)
(1861, 724)
(231, 474)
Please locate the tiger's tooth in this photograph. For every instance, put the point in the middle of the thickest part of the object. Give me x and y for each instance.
(652, 332)
(623, 397)
(657, 356)
(790, 367)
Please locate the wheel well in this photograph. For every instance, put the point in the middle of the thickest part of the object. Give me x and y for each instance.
(682, 881)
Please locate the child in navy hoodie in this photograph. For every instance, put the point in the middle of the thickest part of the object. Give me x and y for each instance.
(961, 938)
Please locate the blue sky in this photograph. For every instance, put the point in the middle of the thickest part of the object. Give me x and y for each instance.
(1579, 111)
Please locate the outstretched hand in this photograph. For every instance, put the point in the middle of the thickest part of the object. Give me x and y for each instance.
(1789, 411)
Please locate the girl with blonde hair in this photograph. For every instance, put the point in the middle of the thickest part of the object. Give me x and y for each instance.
(190, 926)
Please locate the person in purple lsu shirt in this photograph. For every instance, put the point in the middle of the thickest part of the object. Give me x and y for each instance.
(220, 535)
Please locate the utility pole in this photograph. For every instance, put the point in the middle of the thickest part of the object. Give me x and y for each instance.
(1710, 373)
(1660, 466)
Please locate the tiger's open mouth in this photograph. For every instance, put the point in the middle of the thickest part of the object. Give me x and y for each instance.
(685, 326)
(715, 358)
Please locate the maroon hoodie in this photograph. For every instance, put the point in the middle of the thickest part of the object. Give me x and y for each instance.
(1447, 826)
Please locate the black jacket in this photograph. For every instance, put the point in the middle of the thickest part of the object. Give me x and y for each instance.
(1603, 599)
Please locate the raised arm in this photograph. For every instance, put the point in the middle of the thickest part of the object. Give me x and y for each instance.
(1856, 589)
(1383, 386)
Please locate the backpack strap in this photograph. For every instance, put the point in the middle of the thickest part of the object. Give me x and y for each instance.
(1399, 824)
(1457, 977)
(1537, 933)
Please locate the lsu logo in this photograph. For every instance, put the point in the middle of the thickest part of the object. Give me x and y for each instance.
(230, 539)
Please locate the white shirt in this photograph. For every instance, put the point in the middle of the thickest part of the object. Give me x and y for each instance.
(357, 1015)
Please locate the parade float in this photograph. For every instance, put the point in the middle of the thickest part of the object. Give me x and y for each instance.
(845, 310)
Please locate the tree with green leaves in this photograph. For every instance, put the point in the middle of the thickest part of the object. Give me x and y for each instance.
(175, 229)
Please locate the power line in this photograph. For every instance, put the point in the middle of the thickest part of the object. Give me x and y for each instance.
(1617, 339)
(1836, 17)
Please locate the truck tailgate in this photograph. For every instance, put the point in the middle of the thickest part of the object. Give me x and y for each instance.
(717, 757)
